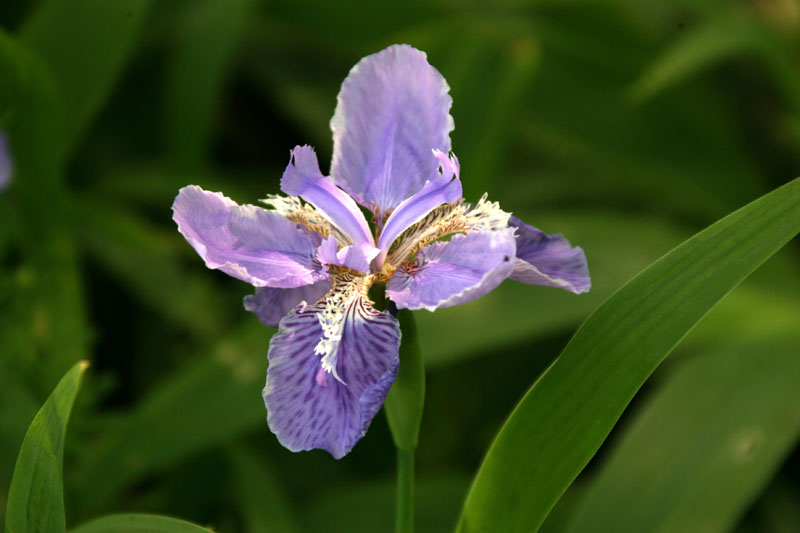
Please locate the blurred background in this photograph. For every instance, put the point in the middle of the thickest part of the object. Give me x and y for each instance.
(626, 125)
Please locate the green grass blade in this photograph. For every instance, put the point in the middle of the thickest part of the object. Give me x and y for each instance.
(36, 497)
(139, 523)
(206, 403)
(207, 38)
(263, 502)
(65, 34)
(704, 446)
(569, 411)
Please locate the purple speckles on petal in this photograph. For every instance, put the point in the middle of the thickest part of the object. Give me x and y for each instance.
(5, 162)
(549, 260)
(307, 407)
(392, 110)
(455, 272)
(246, 242)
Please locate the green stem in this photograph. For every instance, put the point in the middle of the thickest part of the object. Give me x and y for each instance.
(404, 512)
(403, 407)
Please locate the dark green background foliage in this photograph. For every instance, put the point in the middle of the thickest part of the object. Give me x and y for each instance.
(628, 126)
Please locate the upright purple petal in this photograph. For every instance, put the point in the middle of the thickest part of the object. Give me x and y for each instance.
(303, 178)
(549, 260)
(308, 407)
(270, 305)
(247, 242)
(451, 273)
(445, 189)
(392, 110)
(5, 162)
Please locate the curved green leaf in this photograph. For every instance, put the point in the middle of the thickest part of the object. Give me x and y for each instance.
(569, 411)
(139, 523)
(207, 37)
(65, 34)
(36, 497)
(704, 445)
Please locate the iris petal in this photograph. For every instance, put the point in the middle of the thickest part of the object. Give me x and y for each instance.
(303, 178)
(5, 161)
(549, 260)
(246, 242)
(455, 272)
(445, 189)
(307, 406)
(392, 110)
(270, 305)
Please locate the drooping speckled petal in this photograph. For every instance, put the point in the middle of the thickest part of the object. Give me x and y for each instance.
(271, 305)
(247, 242)
(549, 260)
(307, 406)
(5, 161)
(303, 178)
(445, 189)
(392, 110)
(451, 273)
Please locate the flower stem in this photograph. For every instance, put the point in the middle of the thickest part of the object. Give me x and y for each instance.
(404, 512)
(403, 407)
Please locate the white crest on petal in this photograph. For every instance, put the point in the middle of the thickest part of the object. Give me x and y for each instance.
(347, 289)
(486, 215)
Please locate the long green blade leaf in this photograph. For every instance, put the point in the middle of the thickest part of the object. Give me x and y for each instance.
(704, 446)
(139, 523)
(65, 33)
(36, 498)
(569, 411)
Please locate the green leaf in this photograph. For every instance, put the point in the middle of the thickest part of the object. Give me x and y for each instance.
(720, 38)
(36, 497)
(139, 523)
(263, 501)
(569, 411)
(65, 34)
(406, 398)
(205, 45)
(705, 445)
(206, 403)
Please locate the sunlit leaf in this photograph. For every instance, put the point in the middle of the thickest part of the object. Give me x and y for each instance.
(569, 411)
(704, 445)
(36, 498)
(139, 523)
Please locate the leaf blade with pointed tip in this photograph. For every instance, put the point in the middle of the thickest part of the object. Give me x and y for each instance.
(139, 523)
(565, 416)
(36, 497)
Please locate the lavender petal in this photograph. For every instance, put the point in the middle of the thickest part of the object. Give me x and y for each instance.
(445, 189)
(549, 260)
(246, 242)
(271, 305)
(392, 110)
(307, 406)
(451, 273)
(5, 162)
(303, 178)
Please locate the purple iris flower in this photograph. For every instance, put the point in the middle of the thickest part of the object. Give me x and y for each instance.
(5, 162)
(312, 255)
